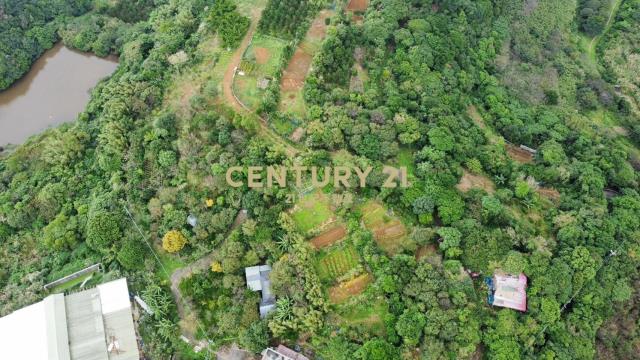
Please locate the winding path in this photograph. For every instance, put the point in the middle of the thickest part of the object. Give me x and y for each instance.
(591, 48)
(232, 100)
(183, 305)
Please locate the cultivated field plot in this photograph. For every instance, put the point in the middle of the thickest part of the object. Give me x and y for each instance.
(389, 232)
(329, 237)
(258, 68)
(549, 193)
(472, 181)
(294, 75)
(313, 210)
(358, 5)
(345, 290)
(518, 154)
(335, 262)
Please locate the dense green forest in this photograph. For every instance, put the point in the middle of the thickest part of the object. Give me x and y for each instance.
(448, 88)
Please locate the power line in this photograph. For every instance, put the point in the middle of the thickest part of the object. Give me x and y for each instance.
(146, 242)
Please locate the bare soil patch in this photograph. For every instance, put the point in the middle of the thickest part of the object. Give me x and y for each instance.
(295, 73)
(329, 237)
(549, 193)
(358, 5)
(318, 28)
(262, 55)
(298, 133)
(470, 181)
(519, 155)
(426, 250)
(343, 291)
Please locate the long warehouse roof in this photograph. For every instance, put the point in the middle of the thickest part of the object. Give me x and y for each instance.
(94, 324)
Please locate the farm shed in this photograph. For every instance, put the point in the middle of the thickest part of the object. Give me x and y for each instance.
(258, 280)
(508, 291)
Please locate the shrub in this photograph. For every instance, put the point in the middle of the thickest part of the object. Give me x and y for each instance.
(103, 231)
(131, 254)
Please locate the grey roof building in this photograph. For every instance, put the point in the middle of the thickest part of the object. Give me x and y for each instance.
(258, 280)
(94, 324)
(282, 353)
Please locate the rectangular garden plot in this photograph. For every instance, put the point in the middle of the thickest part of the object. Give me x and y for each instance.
(389, 232)
(336, 262)
(329, 237)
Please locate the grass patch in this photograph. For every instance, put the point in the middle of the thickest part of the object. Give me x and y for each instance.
(169, 262)
(405, 158)
(311, 211)
(292, 102)
(367, 316)
(69, 285)
(248, 7)
(335, 262)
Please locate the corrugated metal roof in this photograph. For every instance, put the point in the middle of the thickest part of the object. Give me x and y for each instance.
(119, 330)
(85, 326)
(79, 326)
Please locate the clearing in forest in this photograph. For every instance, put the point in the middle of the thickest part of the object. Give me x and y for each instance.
(426, 250)
(389, 232)
(518, 154)
(472, 181)
(329, 237)
(549, 193)
(313, 211)
(367, 316)
(257, 69)
(345, 290)
(296, 72)
(336, 262)
(358, 5)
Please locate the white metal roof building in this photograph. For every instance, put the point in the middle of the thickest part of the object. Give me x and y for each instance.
(94, 324)
(258, 280)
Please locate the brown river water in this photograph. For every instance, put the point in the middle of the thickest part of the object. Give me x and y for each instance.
(54, 91)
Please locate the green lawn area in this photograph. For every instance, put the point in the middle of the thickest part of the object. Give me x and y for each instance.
(335, 262)
(311, 211)
(374, 214)
(293, 102)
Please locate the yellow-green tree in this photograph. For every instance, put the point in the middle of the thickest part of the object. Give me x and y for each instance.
(173, 241)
